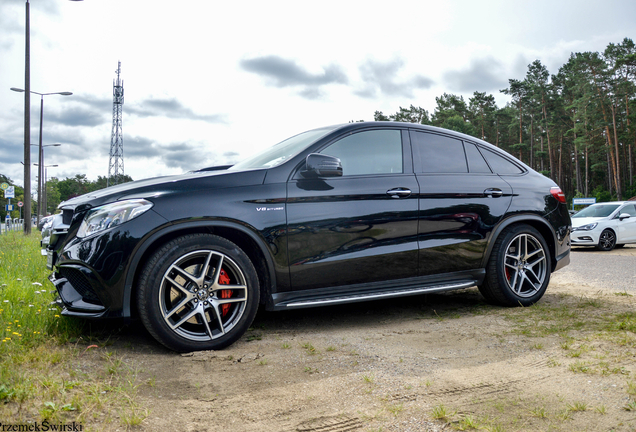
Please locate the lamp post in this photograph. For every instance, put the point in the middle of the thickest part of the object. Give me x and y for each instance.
(27, 123)
(43, 168)
(40, 157)
(42, 193)
(27, 120)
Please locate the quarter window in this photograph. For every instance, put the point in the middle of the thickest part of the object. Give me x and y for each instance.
(499, 164)
(476, 162)
(439, 153)
(369, 152)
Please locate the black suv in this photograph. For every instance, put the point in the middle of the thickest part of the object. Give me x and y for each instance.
(334, 215)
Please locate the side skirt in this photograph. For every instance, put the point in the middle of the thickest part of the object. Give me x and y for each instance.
(379, 290)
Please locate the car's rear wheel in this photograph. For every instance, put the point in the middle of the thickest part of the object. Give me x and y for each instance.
(518, 271)
(606, 241)
(198, 292)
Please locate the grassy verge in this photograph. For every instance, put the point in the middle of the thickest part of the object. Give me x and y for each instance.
(43, 375)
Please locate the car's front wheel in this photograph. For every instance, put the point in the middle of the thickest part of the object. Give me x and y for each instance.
(518, 270)
(198, 292)
(606, 241)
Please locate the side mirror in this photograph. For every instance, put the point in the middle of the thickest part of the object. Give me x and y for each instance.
(624, 216)
(320, 165)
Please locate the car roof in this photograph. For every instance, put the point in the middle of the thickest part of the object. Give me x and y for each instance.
(405, 125)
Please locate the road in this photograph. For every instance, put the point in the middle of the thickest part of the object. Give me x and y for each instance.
(611, 270)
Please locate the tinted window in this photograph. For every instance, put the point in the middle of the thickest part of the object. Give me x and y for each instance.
(439, 154)
(499, 164)
(369, 152)
(476, 162)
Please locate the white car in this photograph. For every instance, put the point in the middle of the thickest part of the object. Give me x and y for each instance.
(605, 225)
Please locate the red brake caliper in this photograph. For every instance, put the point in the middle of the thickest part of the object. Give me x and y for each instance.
(224, 279)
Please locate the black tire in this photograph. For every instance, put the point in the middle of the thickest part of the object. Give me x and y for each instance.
(519, 267)
(187, 309)
(606, 241)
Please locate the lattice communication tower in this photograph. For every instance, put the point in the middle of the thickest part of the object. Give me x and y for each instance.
(116, 159)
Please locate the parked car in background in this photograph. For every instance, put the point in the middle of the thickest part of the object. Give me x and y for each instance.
(44, 220)
(605, 225)
(354, 212)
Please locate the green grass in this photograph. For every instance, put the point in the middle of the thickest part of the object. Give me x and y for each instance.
(38, 347)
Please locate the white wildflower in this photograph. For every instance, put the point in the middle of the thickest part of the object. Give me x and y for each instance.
(36, 283)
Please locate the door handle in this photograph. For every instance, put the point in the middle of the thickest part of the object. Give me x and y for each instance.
(493, 192)
(399, 192)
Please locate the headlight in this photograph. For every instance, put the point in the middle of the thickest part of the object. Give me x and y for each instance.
(588, 227)
(110, 215)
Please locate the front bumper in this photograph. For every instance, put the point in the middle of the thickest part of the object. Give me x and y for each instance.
(72, 302)
(585, 238)
(90, 273)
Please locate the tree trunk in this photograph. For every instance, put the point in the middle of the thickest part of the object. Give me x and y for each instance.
(618, 166)
(547, 132)
(587, 170)
(542, 167)
(631, 167)
(496, 132)
(560, 161)
(532, 141)
(520, 131)
(577, 167)
(609, 170)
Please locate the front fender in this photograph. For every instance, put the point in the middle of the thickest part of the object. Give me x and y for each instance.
(176, 229)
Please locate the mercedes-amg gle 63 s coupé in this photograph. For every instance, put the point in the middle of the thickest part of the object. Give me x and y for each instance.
(354, 212)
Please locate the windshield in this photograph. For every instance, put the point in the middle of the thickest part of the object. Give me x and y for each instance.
(282, 151)
(597, 211)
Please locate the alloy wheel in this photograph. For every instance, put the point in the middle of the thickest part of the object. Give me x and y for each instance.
(203, 295)
(525, 265)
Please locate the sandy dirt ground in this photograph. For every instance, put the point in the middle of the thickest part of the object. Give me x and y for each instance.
(390, 365)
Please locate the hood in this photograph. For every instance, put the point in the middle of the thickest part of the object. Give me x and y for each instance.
(158, 186)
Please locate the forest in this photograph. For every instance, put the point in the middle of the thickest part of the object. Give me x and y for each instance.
(577, 126)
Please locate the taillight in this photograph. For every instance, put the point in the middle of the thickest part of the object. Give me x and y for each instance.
(558, 194)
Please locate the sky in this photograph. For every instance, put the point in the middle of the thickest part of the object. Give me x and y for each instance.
(211, 82)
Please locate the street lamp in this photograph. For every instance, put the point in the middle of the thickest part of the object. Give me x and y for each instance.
(40, 157)
(40, 192)
(27, 120)
(43, 199)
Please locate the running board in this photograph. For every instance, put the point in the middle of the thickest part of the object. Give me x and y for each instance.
(379, 295)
